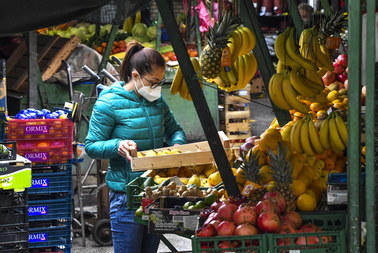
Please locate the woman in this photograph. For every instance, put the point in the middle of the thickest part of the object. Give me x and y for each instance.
(131, 115)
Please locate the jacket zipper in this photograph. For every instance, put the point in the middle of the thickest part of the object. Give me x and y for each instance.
(149, 123)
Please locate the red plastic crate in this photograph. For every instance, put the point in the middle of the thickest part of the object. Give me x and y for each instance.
(37, 129)
(42, 141)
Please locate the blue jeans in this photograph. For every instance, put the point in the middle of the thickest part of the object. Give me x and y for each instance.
(129, 236)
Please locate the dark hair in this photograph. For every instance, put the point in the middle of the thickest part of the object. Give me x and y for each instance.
(141, 59)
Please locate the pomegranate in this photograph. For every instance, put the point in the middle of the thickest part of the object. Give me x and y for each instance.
(337, 68)
(277, 198)
(342, 77)
(245, 213)
(216, 205)
(342, 59)
(266, 205)
(246, 229)
(226, 245)
(269, 222)
(206, 231)
(215, 223)
(294, 217)
(226, 228)
(328, 78)
(309, 227)
(287, 228)
(212, 216)
(226, 211)
(302, 240)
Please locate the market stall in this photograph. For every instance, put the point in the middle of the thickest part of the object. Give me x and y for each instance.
(295, 187)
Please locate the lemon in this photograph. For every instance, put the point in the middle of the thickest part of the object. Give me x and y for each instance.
(306, 202)
(299, 187)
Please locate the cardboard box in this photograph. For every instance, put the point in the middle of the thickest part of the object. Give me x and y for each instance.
(165, 216)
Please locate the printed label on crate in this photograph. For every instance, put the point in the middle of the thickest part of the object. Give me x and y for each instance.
(40, 183)
(37, 156)
(37, 210)
(38, 237)
(37, 129)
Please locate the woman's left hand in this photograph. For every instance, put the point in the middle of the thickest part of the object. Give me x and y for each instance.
(127, 148)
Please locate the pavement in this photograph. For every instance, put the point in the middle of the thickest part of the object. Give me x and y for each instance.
(261, 116)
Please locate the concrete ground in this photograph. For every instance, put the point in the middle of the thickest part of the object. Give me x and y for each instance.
(261, 116)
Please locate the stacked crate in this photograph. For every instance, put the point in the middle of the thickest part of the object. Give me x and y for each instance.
(15, 177)
(48, 144)
(235, 115)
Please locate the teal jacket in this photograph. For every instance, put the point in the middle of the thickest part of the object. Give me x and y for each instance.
(122, 115)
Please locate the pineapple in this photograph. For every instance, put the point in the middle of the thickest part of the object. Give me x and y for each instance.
(282, 171)
(332, 25)
(217, 39)
(251, 168)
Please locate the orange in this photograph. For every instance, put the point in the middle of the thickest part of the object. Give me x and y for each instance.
(306, 202)
(43, 144)
(329, 164)
(298, 187)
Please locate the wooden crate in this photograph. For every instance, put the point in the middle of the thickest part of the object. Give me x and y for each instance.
(236, 124)
(51, 50)
(236, 97)
(190, 154)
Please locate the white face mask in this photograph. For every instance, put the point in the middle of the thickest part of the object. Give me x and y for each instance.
(148, 93)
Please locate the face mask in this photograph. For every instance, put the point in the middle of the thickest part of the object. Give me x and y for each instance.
(147, 92)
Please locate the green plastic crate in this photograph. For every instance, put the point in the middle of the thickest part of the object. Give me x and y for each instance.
(240, 244)
(134, 192)
(331, 239)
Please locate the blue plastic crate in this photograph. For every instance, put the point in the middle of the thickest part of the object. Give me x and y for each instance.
(57, 236)
(50, 209)
(51, 182)
(51, 168)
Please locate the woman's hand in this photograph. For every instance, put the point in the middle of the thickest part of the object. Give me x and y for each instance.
(127, 149)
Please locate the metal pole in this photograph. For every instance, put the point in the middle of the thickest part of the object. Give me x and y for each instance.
(294, 14)
(371, 118)
(250, 19)
(198, 97)
(33, 69)
(354, 125)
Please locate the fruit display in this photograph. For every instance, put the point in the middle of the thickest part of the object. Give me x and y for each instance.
(227, 59)
(235, 223)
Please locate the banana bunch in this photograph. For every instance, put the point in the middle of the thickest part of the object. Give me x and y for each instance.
(179, 85)
(287, 53)
(283, 92)
(239, 74)
(128, 23)
(243, 63)
(310, 48)
(333, 133)
(305, 138)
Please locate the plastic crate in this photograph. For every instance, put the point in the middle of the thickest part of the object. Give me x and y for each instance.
(15, 174)
(42, 141)
(51, 182)
(10, 153)
(13, 238)
(133, 192)
(221, 244)
(39, 129)
(43, 168)
(50, 209)
(51, 236)
(10, 198)
(13, 215)
(331, 239)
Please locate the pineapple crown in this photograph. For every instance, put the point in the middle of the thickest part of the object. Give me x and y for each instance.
(251, 167)
(281, 166)
(218, 34)
(333, 24)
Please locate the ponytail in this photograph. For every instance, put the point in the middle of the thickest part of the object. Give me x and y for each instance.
(141, 59)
